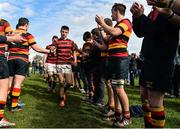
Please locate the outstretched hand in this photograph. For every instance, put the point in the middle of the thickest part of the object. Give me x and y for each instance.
(53, 49)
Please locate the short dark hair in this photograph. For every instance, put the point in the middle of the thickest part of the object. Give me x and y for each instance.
(119, 7)
(17, 26)
(96, 32)
(86, 35)
(22, 21)
(54, 37)
(108, 21)
(65, 28)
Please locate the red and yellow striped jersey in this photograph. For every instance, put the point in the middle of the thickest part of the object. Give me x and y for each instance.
(4, 29)
(65, 49)
(104, 53)
(51, 58)
(21, 50)
(87, 47)
(117, 46)
(86, 51)
(78, 56)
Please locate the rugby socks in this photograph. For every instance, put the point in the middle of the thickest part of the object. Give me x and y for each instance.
(127, 114)
(147, 115)
(158, 117)
(14, 97)
(2, 106)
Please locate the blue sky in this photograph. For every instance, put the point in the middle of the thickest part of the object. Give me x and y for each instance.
(47, 16)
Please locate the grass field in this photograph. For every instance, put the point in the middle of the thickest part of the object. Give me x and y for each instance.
(42, 109)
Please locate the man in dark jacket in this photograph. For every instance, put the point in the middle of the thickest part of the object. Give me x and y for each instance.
(161, 37)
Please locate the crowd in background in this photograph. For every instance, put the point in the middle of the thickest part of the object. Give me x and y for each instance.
(135, 65)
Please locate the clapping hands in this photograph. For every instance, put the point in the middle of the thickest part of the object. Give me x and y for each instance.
(137, 10)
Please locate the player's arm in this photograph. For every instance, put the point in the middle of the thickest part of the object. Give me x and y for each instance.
(114, 31)
(175, 19)
(11, 38)
(171, 16)
(101, 46)
(75, 57)
(39, 49)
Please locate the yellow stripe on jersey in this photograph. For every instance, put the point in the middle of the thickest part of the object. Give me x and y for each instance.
(26, 43)
(104, 54)
(1, 111)
(20, 31)
(26, 53)
(8, 29)
(127, 33)
(2, 33)
(124, 26)
(117, 45)
(31, 41)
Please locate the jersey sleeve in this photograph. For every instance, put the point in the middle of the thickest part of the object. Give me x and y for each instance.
(31, 40)
(124, 25)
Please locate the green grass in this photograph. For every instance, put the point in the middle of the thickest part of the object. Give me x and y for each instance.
(42, 109)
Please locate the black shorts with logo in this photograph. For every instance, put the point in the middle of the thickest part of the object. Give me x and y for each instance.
(157, 75)
(18, 67)
(117, 68)
(4, 71)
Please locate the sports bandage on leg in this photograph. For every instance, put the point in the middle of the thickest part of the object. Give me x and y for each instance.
(118, 82)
